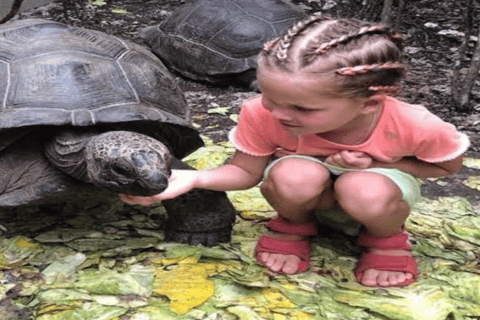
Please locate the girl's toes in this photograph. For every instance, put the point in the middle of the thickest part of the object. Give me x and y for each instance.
(401, 277)
(262, 257)
(274, 262)
(369, 278)
(383, 279)
(290, 265)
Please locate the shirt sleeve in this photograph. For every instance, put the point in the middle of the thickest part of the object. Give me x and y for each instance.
(251, 133)
(437, 140)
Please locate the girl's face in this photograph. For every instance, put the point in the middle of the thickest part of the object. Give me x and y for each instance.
(307, 105)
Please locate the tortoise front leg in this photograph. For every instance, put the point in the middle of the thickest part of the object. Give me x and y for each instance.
(26, 175)
(200, 216)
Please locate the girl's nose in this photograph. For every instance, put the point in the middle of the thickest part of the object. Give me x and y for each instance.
(280, 113)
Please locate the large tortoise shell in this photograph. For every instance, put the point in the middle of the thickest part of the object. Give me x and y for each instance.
(211, 40)
(54, 74)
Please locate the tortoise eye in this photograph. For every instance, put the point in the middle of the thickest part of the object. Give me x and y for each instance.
(120, 170)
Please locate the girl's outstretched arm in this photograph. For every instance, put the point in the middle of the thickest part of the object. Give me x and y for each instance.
(242, 172)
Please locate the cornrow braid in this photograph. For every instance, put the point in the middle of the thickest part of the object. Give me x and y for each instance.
(364, 57)
(348, 37)
(269, 45)
(383, 88)
(291, 33)
(362, 69)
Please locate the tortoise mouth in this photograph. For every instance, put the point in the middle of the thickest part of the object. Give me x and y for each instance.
(154, 185)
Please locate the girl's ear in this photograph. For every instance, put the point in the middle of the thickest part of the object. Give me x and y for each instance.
(372, 104)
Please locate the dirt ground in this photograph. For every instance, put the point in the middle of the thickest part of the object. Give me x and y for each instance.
(429, 51)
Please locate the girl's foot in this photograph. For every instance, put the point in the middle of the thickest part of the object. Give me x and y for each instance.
(386, 261)
(384, 278)
(280, 262)
(286, 247)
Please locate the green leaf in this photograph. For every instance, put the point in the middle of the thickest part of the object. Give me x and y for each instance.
(17, 251)
(87, 311)
(473, 182)
(119, 11)
(137, 281)
(98, 3)
(471, 163)
(63, 268)
(220, 110)
(402, 303)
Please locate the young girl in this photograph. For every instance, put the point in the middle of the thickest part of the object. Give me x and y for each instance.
(325, 138)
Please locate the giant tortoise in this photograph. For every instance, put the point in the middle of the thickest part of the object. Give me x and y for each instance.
(216, 40)
(83, 108)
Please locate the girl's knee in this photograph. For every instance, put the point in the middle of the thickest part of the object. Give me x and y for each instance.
(297, 178)
(367, 193)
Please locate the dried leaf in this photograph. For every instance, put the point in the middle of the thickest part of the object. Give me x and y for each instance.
(220, 110)
(471, 163)
(473, 182)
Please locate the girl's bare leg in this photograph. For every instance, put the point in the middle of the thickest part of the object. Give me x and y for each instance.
(376, 202)
(295, 187)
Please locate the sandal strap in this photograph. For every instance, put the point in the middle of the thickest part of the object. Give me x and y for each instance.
(282, 225)
(299, 248)
(400, 241)
(388, 263)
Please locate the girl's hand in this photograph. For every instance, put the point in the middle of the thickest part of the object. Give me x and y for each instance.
(350, 160)
(180, 182)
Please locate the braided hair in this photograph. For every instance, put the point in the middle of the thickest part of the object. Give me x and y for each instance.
(364, 58)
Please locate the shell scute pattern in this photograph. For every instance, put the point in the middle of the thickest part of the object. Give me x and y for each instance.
(217, 41)
(67, 75)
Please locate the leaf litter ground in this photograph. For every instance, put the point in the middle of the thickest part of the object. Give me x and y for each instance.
(109, 261)
(112, 264)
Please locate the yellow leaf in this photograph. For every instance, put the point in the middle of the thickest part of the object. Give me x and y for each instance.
(23, 242)
(277, 316)
(276, 299)
(299, 315)
(52, 309)
(187, 285)
(255, 215)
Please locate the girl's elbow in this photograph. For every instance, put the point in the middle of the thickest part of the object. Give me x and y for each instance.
(453, 166)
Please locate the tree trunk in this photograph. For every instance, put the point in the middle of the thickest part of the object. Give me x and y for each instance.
(470, 78)
(386, 16)
(401, 4)
(15, 8)
(461, 91)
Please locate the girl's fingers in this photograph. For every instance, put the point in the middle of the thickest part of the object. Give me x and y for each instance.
(137, 200)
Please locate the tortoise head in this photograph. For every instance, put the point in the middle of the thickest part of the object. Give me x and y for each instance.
(128, 162)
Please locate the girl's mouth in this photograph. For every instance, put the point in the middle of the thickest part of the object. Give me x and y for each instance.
(288, 125)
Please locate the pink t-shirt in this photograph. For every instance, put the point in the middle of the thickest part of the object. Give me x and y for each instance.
(403, 130)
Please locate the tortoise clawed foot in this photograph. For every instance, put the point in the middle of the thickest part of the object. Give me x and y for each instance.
(208, 239)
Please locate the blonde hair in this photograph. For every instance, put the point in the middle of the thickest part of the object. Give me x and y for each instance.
(363, 57)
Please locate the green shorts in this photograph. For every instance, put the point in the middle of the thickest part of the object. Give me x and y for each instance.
(336, 218)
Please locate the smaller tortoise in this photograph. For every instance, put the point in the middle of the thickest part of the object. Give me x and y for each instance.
(83, 109)
(216, 40)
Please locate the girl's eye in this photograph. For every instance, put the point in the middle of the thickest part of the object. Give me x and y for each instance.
(301, 109)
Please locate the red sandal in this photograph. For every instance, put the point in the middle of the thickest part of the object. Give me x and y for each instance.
(398, 241)
(299, 248)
